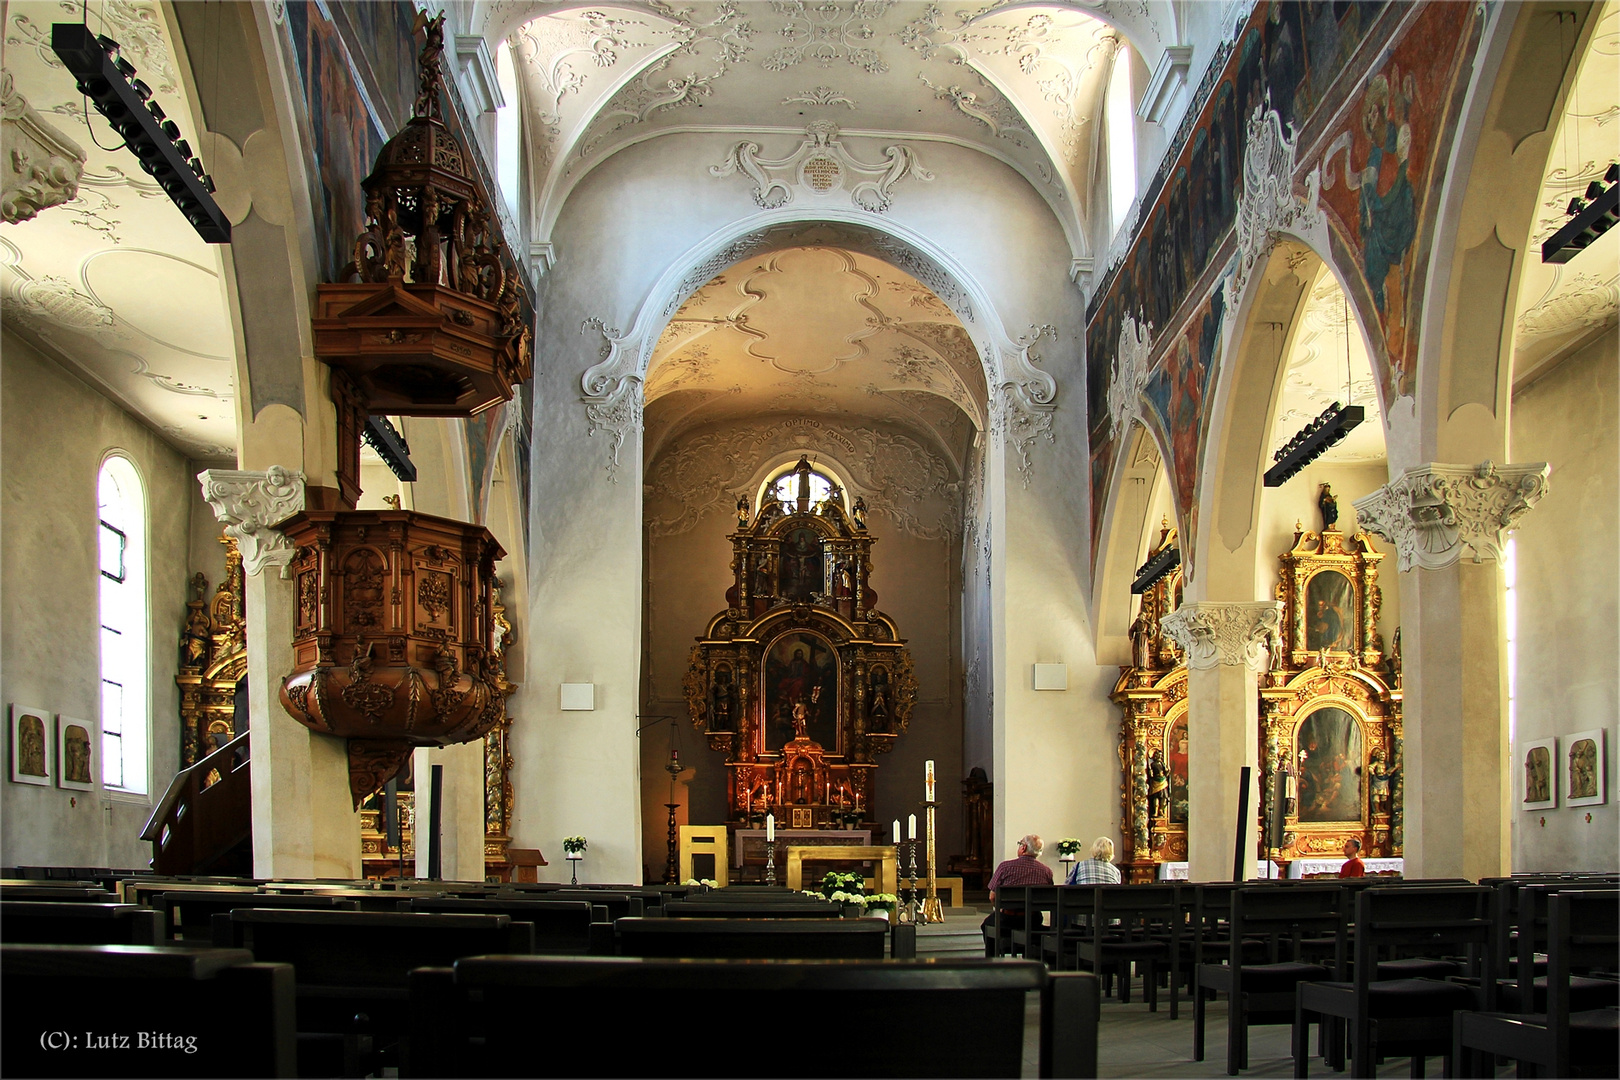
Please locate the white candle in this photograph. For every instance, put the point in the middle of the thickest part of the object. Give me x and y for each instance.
(770, 828)
(930, 781)
(897, 830)
(911, 826)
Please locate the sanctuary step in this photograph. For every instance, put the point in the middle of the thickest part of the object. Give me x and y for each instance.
(958, 935)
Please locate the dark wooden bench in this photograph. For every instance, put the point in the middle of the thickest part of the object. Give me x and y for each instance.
(561, 927)
(65, 893)
(942, 1017)
(731, 909)
(353, 967)
(26, 922)
(188, 916)
(620, 905)
(772, 938)
(203, 1012)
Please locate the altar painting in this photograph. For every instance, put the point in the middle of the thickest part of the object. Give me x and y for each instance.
(801, 564)
(1175, 753)
(1330, 766)
(1330, 613)
(801, 690)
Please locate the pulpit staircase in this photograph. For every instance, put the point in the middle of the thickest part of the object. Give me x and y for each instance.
(204, 822)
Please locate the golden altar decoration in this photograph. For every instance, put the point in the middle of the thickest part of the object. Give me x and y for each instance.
(213, 659)
(887, 863)
(801, 681)
(1330, 713)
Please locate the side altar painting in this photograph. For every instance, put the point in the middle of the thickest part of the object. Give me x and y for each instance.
(1329, 707)
(800, 681)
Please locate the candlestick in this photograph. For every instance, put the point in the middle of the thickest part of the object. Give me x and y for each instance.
(897, 836)
(770, 828)
(911, 827)
(930, 777)
(931, 911)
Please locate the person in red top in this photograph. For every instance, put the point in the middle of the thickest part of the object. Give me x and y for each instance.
(1353, 866)
(1026, 869)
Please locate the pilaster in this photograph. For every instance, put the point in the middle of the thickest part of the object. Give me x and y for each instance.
(1226, 646)
(1454, 650)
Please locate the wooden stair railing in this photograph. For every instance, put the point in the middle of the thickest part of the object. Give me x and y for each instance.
(200, 827)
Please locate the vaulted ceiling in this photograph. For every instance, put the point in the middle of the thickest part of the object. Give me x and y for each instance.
(1022, 83)
(1328, 363)
(817, 331)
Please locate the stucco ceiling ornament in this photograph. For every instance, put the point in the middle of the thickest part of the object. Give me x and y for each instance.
(612, 389)
(1213, 634)
(560, 53)
(1433, 512)
(1025, 399)
(252, 504)
(820, 95)
(1583, 303)
(827, 32)
(1132, 363)
(42, 166)
(822, 164)
(987, 107)
(1267, 204)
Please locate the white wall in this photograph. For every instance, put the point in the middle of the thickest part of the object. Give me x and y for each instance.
(1568, 669)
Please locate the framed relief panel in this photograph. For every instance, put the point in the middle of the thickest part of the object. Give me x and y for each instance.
(77, 747)
(1538, 774)
(31, 745)
(1586, 780)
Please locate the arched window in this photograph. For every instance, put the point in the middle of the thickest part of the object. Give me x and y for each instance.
(786, 485)
(1121, 115)
(121, 512)
(508, 134)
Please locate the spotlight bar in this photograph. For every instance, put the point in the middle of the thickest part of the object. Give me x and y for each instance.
(1590, 221)
(1149, 573)
(391, 446)
(1326, 430)
(109, 80)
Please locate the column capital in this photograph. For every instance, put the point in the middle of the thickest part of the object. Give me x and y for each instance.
(1212, 634)
(1432, 512)
(251, 504)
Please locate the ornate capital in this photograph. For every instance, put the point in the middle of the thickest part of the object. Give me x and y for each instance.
(1432, 512)
(1212, 634)
(42, 166)
(251, 504)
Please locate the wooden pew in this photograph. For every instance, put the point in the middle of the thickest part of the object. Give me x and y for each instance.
(769, 938)
(25, 922)
(719, 909)
(941, 1017)
(352, 969)
(561, 927)
(189, 915)
(63, 893)
(203, 1012)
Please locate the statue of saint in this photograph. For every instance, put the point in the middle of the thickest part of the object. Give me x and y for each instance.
(742, 511)
(1141, 641)
(1158, 787)
(860, 512)
(1329, 507)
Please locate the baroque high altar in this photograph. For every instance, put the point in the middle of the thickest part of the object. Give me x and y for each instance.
(1329, 708)
(801, 681)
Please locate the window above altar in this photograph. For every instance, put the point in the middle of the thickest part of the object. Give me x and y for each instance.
(819, 484)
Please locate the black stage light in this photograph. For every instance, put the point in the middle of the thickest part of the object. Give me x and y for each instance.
(1590, 218)
(391, 446)
(106, 79)
(1314, 438)
(1148, 574)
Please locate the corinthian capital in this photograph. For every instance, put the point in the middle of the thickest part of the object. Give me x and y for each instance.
(1432, 512)
(1211, 634)
(251, 504)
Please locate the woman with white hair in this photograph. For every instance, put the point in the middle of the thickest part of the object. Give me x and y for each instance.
(1099, 869)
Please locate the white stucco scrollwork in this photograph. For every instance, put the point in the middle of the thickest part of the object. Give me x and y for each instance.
(611, 389)
(1267, 204)
(821, 165)
(1024, 401)
(252, 504)
(42, 165)
(1213, 634)
(1130, 375)
(1433, 512)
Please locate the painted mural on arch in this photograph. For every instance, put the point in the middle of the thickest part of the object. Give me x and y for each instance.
(1405, 64)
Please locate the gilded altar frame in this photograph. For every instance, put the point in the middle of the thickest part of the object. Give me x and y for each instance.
(213, 659)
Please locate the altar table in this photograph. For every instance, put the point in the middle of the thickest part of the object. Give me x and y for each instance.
(888, 875)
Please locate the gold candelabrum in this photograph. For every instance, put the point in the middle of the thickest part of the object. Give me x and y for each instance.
(931, 912)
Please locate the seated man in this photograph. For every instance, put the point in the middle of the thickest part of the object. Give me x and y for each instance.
(1353, 866)
(1015, 873)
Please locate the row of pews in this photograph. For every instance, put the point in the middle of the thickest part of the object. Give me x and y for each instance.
(150, 976)
(1524, 968)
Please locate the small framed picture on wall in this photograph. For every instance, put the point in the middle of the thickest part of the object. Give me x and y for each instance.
(1586, 778)
(1538, 774)
(31, 745)
(77, 747)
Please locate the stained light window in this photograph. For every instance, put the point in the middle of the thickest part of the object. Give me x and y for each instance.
(1121, 118)
(121, 512)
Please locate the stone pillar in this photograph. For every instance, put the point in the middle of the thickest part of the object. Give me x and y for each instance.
(1225, 646)
(1458, 789)
(304, 824)
(462, 819)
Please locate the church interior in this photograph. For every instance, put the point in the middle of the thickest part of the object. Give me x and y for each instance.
(532, 471)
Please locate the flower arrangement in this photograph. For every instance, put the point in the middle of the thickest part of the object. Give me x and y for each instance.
(575, 845)
(1068, 848)
(883, 901)
(841, 888)
(705, 883)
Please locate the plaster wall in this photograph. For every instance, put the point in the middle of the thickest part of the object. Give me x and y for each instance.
(59, 430)
(1568, 663)
(918, 582)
